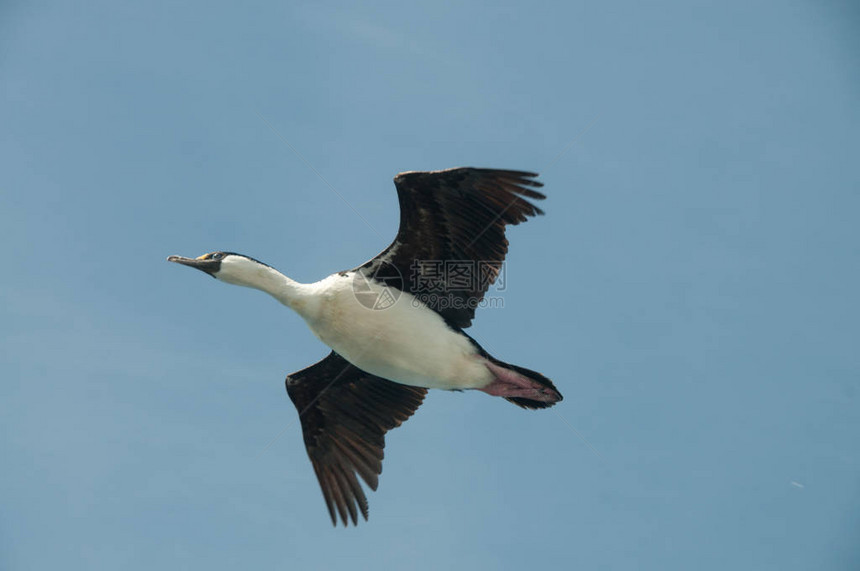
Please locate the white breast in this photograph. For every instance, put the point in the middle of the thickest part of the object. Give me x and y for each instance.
(407, 342)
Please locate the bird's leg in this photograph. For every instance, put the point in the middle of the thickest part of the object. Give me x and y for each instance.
(508, 383)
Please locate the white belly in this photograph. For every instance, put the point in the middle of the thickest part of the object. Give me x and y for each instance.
(407, 342)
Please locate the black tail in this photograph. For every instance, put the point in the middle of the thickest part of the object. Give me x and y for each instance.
(540, 385)
(552, 393)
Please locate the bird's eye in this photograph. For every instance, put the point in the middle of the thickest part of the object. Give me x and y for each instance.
(216, 256)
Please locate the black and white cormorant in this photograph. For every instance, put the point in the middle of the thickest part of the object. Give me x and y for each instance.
(387, 350)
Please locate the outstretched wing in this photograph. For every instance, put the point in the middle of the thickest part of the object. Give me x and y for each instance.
(451, 242)
(345, 414)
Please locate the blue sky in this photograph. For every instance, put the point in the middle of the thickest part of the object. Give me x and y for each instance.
(692, 289)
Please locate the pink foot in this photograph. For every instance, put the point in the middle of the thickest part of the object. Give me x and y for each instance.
(508, 384)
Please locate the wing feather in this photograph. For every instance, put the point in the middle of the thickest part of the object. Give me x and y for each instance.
(345, 414)
(454, 216)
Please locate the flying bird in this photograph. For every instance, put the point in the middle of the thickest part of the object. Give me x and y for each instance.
(395, 323)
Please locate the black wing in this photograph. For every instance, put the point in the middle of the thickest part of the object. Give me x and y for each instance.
(456, 216)
(345, 414)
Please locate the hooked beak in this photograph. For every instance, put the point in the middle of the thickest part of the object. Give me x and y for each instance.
(208, 266)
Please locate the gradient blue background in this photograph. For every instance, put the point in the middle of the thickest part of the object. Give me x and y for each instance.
(693, 289)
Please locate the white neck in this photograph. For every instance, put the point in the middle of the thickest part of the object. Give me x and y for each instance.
(245, 272)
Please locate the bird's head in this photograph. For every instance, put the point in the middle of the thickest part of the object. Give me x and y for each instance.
(226, 266)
